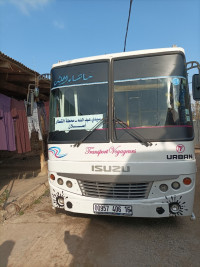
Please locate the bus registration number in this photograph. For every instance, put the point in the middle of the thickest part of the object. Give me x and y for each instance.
(125, 210)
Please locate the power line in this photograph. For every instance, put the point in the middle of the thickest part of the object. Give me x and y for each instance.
(127, 24)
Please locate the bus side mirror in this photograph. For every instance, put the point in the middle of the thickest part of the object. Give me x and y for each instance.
(196, 87)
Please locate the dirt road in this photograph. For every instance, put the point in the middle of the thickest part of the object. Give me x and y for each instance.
(40, 237)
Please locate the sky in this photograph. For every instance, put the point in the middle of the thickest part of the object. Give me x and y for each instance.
(39, 33)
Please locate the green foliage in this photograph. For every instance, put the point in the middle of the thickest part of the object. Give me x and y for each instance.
(3, 197)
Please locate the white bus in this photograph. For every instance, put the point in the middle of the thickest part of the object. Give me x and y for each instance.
(121, 135)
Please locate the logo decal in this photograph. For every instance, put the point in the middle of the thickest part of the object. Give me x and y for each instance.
(176, 81)
(56, 197)
(116, 151)
(180, 148)
(56, 152)
(183, 156)
(100, 168)
(180, 204)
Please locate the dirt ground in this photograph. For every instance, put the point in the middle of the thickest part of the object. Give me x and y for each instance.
(43, 237)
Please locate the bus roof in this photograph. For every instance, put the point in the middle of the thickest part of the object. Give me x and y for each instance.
(119, 55)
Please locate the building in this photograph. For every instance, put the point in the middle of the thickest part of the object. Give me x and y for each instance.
(15, 80)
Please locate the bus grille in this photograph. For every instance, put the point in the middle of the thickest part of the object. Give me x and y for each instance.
(115, 190)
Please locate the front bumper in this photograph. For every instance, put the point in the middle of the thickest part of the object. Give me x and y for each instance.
(154, 207)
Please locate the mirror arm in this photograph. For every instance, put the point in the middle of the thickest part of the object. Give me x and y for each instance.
(192, 65)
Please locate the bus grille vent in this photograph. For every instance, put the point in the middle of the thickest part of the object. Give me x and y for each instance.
(115, 190)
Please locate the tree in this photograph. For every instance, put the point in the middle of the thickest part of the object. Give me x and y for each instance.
(196, 110)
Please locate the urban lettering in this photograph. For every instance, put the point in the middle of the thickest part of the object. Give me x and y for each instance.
(185, 156)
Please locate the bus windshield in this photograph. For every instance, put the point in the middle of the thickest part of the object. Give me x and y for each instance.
(148, 97)
(152, 102)
(80, 103)
(151, 98)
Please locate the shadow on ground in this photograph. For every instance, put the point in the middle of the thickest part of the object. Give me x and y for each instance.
(21, 168)
(5, 251)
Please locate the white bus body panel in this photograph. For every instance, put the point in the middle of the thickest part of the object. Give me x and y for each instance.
(161, 163)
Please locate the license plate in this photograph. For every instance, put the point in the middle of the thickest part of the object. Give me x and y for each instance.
(124, 210)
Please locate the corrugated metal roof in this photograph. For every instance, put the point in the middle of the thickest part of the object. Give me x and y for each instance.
(15, 79)
(19, 64)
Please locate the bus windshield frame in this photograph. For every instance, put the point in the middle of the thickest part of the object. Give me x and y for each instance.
(148, 94)
(78, 102)
(151, 98)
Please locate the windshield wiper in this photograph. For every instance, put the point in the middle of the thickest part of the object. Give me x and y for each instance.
(133, 133)
(77, 144)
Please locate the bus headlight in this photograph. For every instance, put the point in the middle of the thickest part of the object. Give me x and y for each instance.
(176, 185)
(60, 181)
(60, 201)
(69, 184)
(174, 207)
(163, 187)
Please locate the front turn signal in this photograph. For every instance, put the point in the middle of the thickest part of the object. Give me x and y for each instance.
(187, 180)
(52, 177)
